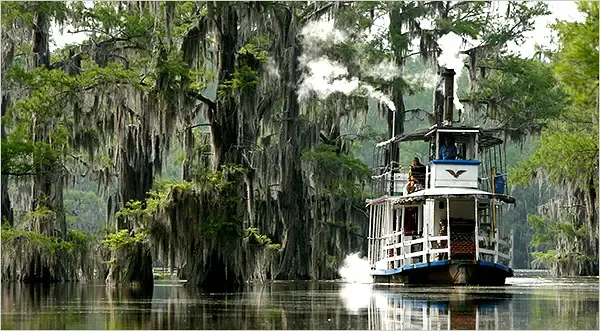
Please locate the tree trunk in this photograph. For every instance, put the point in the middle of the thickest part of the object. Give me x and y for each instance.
(224, 119)
(8, 51)
(295, 263)
(133, 264)
(7, 211)
(47, 188)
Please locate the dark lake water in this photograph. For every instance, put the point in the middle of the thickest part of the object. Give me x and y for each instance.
(528, 301)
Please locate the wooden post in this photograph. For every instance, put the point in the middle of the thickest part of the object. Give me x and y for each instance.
(370, 237)
(378, 229)
(476, 230)
(496, 237)
(376, 224)
(426, 177)
(448, 224)
(512, 245)
(493, 199)
(402, 234)
(437, 145)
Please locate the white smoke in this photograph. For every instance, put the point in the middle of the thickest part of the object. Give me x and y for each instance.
(379, 96)
(356, 270)
(386, 70)
(271, 68)
(427, 79)
(325, 77)
(321, 30)
(322, 76)
(450, 44)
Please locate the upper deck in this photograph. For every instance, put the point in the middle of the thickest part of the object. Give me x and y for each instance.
(476, 162)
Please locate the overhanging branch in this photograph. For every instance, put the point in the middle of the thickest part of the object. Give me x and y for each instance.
(198, 96)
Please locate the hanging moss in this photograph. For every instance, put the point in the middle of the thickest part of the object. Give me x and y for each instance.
(29, 256)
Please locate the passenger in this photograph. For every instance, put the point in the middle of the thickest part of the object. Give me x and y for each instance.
(410, 185)
(448, 150)
(418, 171)
(443, 243)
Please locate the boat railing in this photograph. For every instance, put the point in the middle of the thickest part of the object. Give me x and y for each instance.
(397, 253)
(426, 249)
(495, 249)
(381, 183)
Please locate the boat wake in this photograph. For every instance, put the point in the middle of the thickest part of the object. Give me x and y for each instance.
(356, 270)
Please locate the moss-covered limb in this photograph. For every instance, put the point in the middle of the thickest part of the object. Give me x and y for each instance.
(564, 263)
(28, 256)
(131, 265)
(563, 247)
(195, 228)
(336, 233)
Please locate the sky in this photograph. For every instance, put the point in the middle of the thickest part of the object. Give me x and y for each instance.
(561, 10)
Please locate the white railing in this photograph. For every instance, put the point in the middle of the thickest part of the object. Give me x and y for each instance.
(426, 253)
(402, 252)
(493, 249)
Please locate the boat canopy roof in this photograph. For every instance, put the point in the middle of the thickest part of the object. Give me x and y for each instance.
(486, 139)
(449, 192)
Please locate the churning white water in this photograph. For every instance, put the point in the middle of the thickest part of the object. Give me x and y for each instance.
(356, 270)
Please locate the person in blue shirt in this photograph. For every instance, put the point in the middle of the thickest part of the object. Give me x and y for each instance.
(448, 150)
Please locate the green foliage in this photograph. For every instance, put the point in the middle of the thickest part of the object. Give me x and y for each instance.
(39, 242)
(345, 189)
(48, 247)
(331, 160)
(222, 180)
(340, 174)
(550, 237)
(144, 211)
(554, 257)
(460, 21)
(122, 239)
(243, 77)
(568, 150)
(512, 25)
(256, 49)
(15, 13)
(255, 238)
(80, 238)
(41, 212)
(563, 156)
(47, 106)
(521, 95)
(113, 20)
(185, 16)
(226, 227)
(576, 63)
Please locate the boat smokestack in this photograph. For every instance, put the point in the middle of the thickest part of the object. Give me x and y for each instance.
(448, 75)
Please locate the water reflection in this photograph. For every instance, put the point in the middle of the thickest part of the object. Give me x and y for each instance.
(565, 304)
(451, 309)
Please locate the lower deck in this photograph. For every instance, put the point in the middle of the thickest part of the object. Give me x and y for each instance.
(456, 272)
(453, 235)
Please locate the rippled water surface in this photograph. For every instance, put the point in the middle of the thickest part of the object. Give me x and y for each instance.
(528, 301)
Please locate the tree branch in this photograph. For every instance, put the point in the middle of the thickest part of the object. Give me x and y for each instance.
(189, 127)
(198, 96)
(318, 12)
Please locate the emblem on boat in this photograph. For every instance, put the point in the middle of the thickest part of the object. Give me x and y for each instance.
(456, 174)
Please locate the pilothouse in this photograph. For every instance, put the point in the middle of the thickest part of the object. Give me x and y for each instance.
(439, 222)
